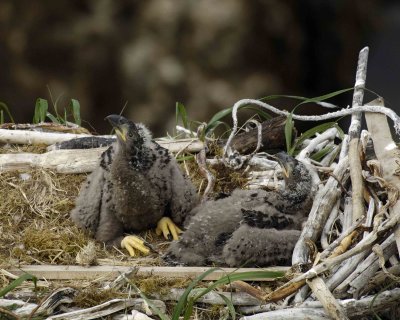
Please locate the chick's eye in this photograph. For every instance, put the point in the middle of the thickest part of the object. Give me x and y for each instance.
(130, 134)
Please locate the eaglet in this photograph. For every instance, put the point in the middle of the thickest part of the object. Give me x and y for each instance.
(250, 227)
(137, 186)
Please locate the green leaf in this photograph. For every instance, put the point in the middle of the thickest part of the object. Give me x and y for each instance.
(211, 128)
(153, 307)
(325, 96)
(76, 111)
(17, 282)
(1, 117)
(288, 133)
(52, 118)
(4, 107)
(230, 306)
(184, 158)
(181, 113)
(311, 132)
(182, 302)
(219, 115)
(41, 108)
(189, 309)
(322, 153)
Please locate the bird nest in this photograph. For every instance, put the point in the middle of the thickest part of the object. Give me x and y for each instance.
(345, 264)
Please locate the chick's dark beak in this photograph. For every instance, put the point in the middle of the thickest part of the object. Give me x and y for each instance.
(120, 125)
(286, 162)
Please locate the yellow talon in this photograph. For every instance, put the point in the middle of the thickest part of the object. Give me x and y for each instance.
(131, 243)
(167, 227)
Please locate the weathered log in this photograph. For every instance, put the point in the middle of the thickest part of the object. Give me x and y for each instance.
(272, 136)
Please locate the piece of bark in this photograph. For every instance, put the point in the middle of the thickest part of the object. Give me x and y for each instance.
(387, 153)
(273, 137)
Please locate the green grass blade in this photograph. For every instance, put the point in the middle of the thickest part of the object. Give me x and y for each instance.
(17, 282)
(340, 131)
(230, 306)
(1, 117)
(52, 118)
(182, 302)
(76, 111)
(289, 132)
(4, 107)
(153, 307)
(210, 129)
(263, 115)
(180, 112)
(41, 107)
(322, 153)
(189, 309)
(326, 96)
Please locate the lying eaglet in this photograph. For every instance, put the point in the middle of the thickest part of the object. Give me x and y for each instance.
(250, 227)
(136, 186)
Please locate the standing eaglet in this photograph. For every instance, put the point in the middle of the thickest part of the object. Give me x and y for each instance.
(250, 227)
(137, 186)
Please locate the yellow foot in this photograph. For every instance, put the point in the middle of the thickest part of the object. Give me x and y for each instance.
(132, 243)
(167, 227)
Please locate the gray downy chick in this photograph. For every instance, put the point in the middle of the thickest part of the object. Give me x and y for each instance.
(136, 184)
(250, 227)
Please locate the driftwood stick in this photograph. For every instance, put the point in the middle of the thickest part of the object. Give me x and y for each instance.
(237, 298)
(357, 181)
(327, 299)
(329, 134)
(387, 154)
(367, 269)
(36, 137)
(323, 203)
(329, 225)
(104, 309)
(77, 160)
(380, 278)
(73, 272)
(293, 314)
(352, 307)
(347, 233)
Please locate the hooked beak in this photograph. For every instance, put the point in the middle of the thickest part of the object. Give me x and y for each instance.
(283, 160)
(119, 124)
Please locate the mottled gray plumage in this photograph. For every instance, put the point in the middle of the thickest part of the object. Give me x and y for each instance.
(250, 227)
(136, 183)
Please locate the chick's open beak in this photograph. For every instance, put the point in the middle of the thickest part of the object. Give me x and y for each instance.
(119, 125)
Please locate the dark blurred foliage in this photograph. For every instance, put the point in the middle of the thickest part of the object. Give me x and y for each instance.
(206, 54)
